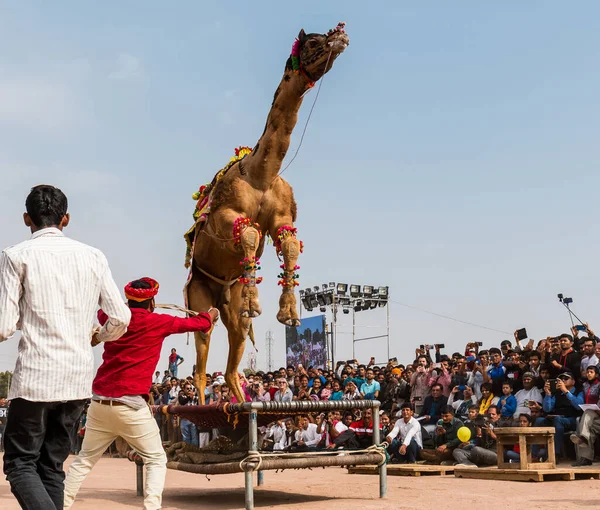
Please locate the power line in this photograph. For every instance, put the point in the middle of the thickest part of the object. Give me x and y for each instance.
(450, 318)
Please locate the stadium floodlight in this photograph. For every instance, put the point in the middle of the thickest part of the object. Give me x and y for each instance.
(342, 288)
(321, 299)
(358, 305)
(317, 288)
(367, 290)
(325, 287)
(301, 292)
(346, 310)
(306, 303)
(383, 292)
(308, 291)
(344, 301)
(328, 298)
(332, 285)
(313, 301)
(322, 309)
(373, 304)
(355, 290)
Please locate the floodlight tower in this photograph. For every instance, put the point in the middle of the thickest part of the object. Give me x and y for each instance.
(270, 342)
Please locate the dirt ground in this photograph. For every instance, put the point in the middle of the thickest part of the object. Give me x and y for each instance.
(111, 485)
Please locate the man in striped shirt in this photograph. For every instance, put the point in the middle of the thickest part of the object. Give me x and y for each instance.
(50, 289)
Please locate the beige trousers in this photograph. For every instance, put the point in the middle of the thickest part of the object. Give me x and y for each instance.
(104, 424)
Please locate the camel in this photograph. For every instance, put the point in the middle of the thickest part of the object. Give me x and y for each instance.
(246, 201)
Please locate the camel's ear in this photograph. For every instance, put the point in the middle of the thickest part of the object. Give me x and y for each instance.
(302, 35)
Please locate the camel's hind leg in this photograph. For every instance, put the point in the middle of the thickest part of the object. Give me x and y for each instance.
(200, 299)
(237, 328)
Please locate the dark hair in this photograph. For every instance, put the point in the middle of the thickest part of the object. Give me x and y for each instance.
(140, 284)
(446, 409)
(437, 385)
(587, 339)
(535, 354)
(474, 407)
(46, 205)
(495, 350)
(487, 386)
(565, 335)
(494, 406)
(528, 417)
(509, 384)
(406, 405)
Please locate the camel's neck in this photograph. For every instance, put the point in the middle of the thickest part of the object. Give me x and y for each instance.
(264, 163)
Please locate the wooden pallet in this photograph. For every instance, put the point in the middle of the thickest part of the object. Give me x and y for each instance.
(404, 470)
(530, 475)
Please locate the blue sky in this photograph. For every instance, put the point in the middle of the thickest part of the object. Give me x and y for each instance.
(452, 153)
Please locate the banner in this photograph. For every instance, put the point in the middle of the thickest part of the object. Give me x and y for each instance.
(307, 344)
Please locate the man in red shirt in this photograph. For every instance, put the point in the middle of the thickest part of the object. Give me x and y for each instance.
(120, 391)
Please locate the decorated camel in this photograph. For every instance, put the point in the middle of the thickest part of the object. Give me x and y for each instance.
(246, 201)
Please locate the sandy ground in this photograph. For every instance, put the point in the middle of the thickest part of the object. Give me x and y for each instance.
(111, 485)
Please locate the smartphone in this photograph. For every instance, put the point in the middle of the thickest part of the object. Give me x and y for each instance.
(552, 385)
(440, 346)
(480, 344)
(462, 387)
(521, 334)
(580, 327)
(471, 358)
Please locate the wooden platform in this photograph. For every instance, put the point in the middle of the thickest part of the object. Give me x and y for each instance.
(530, 475)
(404, 470)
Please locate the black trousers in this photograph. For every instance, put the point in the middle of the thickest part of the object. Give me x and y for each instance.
(37, 442)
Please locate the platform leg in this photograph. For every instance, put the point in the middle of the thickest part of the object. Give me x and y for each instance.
(139, 478)
(383, 467)
(249, 490)
(260, 478)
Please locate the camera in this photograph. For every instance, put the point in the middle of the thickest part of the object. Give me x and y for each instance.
(426, 346)
(440, 346)
(552, 385)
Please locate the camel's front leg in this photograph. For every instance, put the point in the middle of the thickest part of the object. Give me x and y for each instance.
(290, 249)
(248, 235)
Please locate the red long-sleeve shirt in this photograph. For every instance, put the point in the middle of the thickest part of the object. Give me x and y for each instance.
(129, 362)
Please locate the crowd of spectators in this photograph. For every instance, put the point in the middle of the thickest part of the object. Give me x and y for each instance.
(425, 402)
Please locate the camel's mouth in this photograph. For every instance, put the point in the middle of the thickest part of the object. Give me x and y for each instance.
(338, 42)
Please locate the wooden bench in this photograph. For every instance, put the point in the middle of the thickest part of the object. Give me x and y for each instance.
(525, 437)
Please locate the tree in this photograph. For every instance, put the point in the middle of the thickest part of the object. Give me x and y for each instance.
(5, 379)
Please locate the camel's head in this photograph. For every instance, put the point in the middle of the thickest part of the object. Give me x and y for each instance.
(314, 54)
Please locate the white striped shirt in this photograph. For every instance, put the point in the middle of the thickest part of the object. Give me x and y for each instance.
(50, 288)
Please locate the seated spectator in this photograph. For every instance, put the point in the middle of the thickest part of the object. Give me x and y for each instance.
(514, 455)
(445, 439)
(303, 391)
(370, 389)
(405, 438)
(461, 407)
(284, 394)
(336, 393)
(495, 373)
(484, 452)
(273, 435)
(589, 425)
(431, 411)
(528, 394)
(507, 404)
(289, 439)
(363, 428)
(308, 438)
(562, 409)
(487, 398)
(351, 392)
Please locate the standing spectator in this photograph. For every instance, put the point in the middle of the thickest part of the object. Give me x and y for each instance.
(566, 359)
(442, 375)
(418, 382)
(496, 372)
(187, 397)
(588, 346)
(3, 417)
(174, 361)
(50, 288)
(405, 438)
(336, 393)
(157, 378)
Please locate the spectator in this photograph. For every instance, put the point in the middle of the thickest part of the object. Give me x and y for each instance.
(419, 384)
(351, 392)
(284, 394)
(589, 357)
(405, 438)
(369, 390)
(187, 397)
(174, 361)
(309, 437)
(496, 372)
(442, 374)
(289, 439)
(566, 359)
(562, 408)
(528, 394)
(432, 408)
(589, 425)
(461, 407)
(507, 404)
(446, 439)
(514, 455)
(337, 392)
(484, 453)
(487, 398)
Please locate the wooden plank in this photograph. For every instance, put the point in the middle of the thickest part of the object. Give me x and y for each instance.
(533, 475)
(405, 470)
(530, 431)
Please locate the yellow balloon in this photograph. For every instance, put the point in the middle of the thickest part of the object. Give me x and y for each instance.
(464, 434)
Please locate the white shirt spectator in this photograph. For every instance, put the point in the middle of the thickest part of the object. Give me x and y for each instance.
(288, 396)
(310, 436)
(587, 361)
(407, 431)
(50, 288)
(523, 396)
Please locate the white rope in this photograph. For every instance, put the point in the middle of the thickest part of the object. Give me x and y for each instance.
(178, 308)
(256, 456)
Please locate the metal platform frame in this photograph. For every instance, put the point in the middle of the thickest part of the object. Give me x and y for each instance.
(285, 409)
